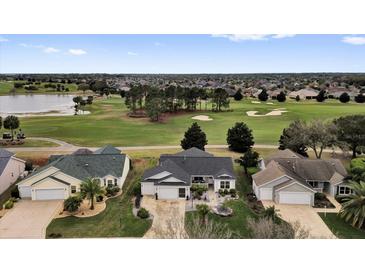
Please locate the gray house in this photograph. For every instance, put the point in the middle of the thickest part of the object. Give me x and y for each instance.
(175, 174)
(290, 178)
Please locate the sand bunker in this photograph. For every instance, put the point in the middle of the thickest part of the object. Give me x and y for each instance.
(255, 102)
(202, 118)
(274, 112)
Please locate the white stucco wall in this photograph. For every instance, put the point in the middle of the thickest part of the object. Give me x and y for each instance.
(14, 168)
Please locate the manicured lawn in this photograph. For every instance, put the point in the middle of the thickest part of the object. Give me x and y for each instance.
(117, 220)
(340, 228)
(34, 143)
(238, 222)
(109, 124)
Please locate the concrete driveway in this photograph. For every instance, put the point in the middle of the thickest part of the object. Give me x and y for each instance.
(28, 219)
(168, 218)
(306, 215)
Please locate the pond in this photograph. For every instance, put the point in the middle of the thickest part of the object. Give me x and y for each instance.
(37, 105)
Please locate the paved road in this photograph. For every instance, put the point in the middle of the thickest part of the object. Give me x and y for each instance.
(67, 147)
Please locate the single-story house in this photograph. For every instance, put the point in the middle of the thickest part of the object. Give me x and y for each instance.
(62, 176)
(289, 178)
(175, 174)
(305, 93)
(11, 168)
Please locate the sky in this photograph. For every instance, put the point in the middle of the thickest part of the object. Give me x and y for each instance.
(181, 53)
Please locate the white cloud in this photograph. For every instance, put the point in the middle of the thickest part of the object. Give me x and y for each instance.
(51, 50)
(77, 51)
(3, 39)
(354, 40)
(252, 37)
(280, 36)
(132, 53)
(158, 44)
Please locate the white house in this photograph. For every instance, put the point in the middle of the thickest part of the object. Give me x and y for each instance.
(176, 173)
(10, 169)
(64, 173)
(289, 178)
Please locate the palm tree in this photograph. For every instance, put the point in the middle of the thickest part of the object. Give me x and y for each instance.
(90, 188)
(353, 208)
(203, 211)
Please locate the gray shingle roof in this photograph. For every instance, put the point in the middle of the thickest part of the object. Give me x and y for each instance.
(4, 159)
(82, 166)
(108, 149)
(191, 162)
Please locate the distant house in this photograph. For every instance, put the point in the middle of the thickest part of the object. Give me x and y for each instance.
(11, 168)
(335, 92)
(175, 174)
(289, 178)
(305, 93)
(62, 176)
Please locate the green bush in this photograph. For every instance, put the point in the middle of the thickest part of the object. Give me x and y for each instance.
(15, 192)
(112, 190)
(143, 213)
(221, 192)
(8, 204)
(137, 189)
(340, 199)
(319, 196)
(72, 203)
(233, 192)
(55, 235)
(99, 198)
(226, 192)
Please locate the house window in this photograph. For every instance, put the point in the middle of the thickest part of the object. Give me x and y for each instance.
(104, 182)
(344, 190)
(115, 182)
(198, 179)
(181, 192)
(73, 189)
(225, 184)
(110, 182)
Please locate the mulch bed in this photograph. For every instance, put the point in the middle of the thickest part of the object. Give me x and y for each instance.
(254, 204)
(323, 203)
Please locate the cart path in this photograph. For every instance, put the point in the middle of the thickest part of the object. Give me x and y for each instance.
(67, 147)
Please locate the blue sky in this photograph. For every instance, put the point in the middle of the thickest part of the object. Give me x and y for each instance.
(181, 53)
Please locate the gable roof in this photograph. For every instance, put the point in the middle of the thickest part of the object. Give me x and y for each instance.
(108, 149)
(191, 162)
(284, 154)
(82, 166)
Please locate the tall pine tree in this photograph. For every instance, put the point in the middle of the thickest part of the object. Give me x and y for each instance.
(194, 137)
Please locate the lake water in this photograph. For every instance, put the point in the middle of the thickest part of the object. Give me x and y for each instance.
(37, 105)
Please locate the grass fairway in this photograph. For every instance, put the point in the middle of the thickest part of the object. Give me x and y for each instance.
(117, 220)
(109, 124)
(340, 228)
(237, 223)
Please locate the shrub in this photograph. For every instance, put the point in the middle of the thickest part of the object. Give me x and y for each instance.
(8, 204)
(28, 165)
(137, 189)
(143, 213)
(112, 190)
(137, 201)
(319, 196)
(221, 192)
(55, 235)
(233, 192)
(15, 193)
(344, 97)
(226, 192)
(72, 203)
(340, 199)
(99, 198)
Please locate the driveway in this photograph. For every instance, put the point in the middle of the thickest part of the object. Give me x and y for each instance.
(168, 218)
(28, 219)
(307, 216)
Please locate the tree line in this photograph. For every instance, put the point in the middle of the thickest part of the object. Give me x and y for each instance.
(154, 101)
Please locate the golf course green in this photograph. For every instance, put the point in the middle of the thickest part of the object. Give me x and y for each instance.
(108, 123)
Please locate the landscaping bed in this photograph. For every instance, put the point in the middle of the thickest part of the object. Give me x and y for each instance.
(321, 201)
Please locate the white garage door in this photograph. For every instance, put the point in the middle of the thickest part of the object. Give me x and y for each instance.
(266, 194)
(25, 191)
(50, 194)
(148, 189)
(299, 198)
(167, 193)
